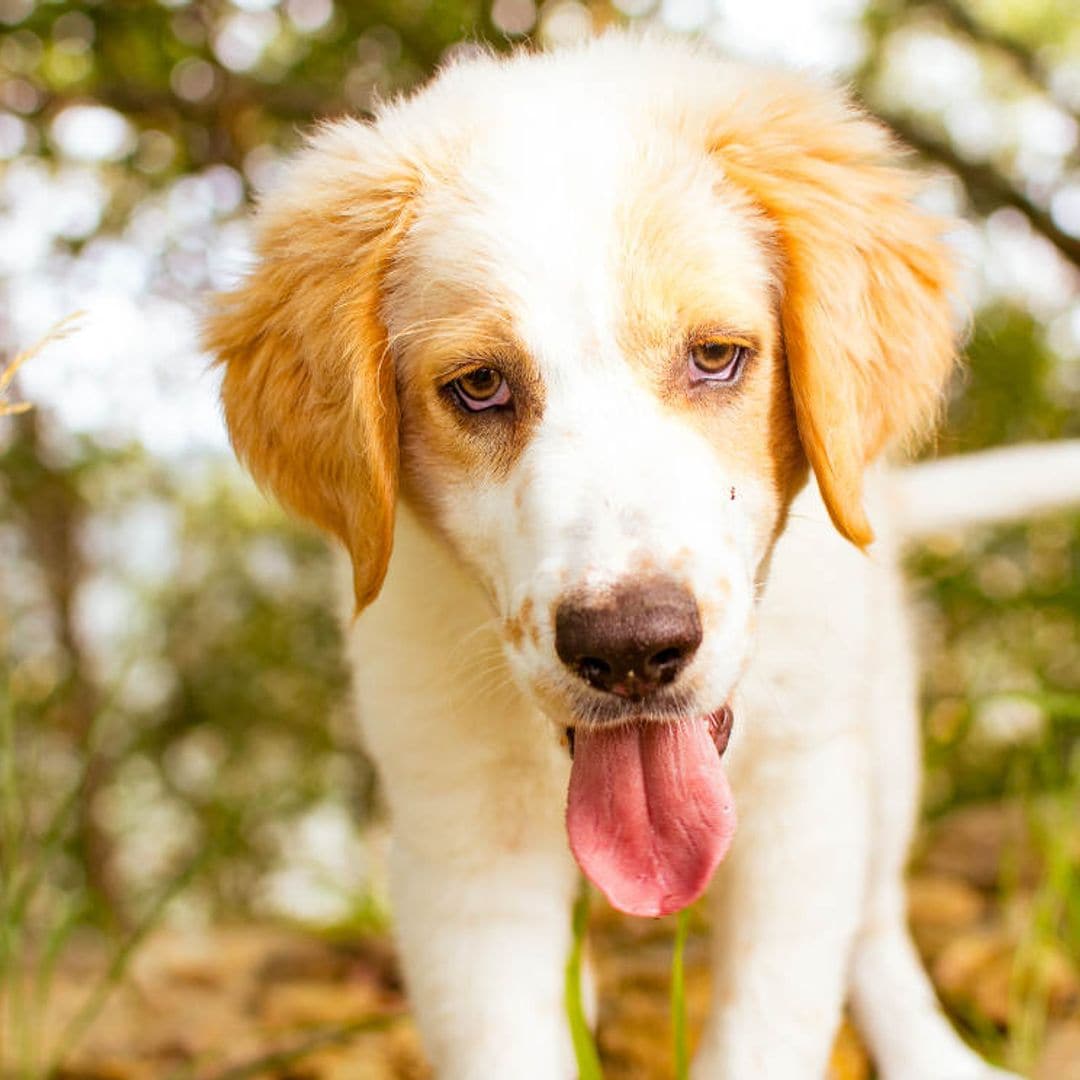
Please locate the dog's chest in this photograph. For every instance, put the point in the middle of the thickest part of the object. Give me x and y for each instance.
(809, 674)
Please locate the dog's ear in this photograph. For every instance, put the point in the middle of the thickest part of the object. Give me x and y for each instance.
(865, 310)
(309, 387)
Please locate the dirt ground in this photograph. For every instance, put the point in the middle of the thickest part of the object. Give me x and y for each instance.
(266, 1001)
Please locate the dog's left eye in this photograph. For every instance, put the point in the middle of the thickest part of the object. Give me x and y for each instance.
(482, 388)
(716, 361)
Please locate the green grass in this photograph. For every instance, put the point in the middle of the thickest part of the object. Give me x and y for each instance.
(1052, 929)
(678, 997)
(35, 929)
(585, 1052)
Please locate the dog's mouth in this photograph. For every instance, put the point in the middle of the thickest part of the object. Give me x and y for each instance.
(649, 812)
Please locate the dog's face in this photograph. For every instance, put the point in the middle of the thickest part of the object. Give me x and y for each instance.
(595, 412)
(593, 317)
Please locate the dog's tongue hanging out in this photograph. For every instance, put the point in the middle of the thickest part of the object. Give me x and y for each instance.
(650, 813)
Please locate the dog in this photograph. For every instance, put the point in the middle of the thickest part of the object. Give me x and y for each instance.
(606, 346)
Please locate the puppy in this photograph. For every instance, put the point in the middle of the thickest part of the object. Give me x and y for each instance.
(568, 334)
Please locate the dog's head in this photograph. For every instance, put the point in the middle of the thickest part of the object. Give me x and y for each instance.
(592, 315)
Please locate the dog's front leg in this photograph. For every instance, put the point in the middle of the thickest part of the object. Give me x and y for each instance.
(480, 873)
(484, 935)
(481, 882)
(787, 908)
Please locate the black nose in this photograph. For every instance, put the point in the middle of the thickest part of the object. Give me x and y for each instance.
(631, 639)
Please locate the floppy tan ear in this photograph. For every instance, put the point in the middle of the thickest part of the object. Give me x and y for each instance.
(309, 389)
(865, 311)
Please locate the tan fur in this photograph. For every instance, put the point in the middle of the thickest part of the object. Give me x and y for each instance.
(865, 316)
(436, 435)
(674, 297)
(865, 328)
(309, 388)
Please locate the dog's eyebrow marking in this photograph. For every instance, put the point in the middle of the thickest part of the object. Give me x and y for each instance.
(721, 332)
(444, 335)
(509, 360)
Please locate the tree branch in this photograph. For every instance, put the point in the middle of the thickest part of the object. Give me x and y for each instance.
(988, 189)
(957, 16)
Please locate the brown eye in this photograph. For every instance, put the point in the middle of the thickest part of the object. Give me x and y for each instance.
(712, 357)
(716, 361)
(482, 388)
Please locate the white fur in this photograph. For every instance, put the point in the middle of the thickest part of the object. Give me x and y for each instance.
(466, 726)
(809, 904)
(536, 206)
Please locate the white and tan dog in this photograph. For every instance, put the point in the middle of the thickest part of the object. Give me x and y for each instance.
(567, 333)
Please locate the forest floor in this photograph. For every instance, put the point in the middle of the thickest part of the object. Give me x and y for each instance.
(267, 1001)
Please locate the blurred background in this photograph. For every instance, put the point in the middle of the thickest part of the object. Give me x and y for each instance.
(190, 837)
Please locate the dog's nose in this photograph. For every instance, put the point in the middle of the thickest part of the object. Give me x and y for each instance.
(631, 639)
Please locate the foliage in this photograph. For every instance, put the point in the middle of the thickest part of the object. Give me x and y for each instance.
(173, 691)
(1004, 675)
(206, 82)
(216, 680)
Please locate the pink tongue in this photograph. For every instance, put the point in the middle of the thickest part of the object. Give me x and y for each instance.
(650, 813)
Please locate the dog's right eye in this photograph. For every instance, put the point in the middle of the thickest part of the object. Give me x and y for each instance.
(716, 361)
(480, 389)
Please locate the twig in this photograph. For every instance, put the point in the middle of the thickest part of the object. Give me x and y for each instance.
(263, 1066)
(60, 331)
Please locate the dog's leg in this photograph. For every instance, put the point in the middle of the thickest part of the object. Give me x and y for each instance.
(787, 907)
(480, 874)
(481, 882)
(894, 1002)
(483, 940)
(788, 897)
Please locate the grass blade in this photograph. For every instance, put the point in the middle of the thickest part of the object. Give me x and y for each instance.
(116, 970)
(11, 836)
(588, 1060)
(339, 1036)
(678, 996)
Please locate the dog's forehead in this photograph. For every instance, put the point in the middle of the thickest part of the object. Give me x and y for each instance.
(570, 217)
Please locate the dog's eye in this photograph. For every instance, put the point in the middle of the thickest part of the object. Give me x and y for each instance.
(716, 361)
(482, 388)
